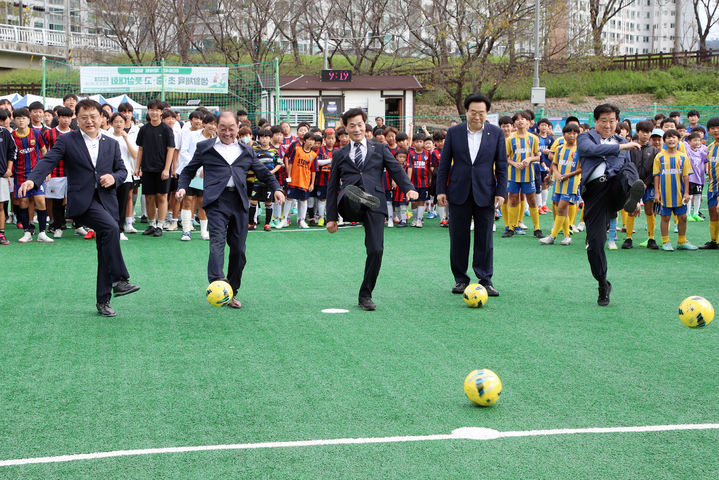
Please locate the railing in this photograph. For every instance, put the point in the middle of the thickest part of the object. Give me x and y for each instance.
(54, 38)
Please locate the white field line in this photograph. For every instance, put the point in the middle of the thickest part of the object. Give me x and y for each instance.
(465, 433)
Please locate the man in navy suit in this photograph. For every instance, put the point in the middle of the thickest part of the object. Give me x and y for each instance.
(472, 178)
(225, 163)
(610, 181)
(355, 191)
(94, 168)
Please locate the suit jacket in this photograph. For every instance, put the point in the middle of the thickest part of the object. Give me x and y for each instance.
(487, 176)
(217, 172)
(345, 172)
(592, 152)
(82, 178)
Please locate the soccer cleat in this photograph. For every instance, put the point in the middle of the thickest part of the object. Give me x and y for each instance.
(321, 222)
(419, 223)
(157, 232)
(149, 230)
(313, 222)
(90, 235)
(652, 244)
(27, 237)
(390, 223)
(172, 226)
(123, 237)
(566, 241)
(431, 215)
(401, 224)
(612, 245)
(302, 224)
(548, 240)
(143, 219)
(281, 224)
(444, 223)
(494, 227)
(414, 222)
(698, 218)
(252, 226)
(267, 227)
(395, 219)
(129, 229)
(710, 245)
(4, 240)
(205, 235)
(522, 225)
(667, 247)
(357, 195)
(636, 191)
(80, 231)
(519, 231)
(627, 244)
(57, 233)
(508, 232)
(686, 246)
(691, 218)
(604, 290)
(538, 233)
(186, 237)
(580, 227)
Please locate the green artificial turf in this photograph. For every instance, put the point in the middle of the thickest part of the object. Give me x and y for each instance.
(171, 370)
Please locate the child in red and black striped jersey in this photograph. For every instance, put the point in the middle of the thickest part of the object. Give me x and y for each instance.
(56, 187)
(324, 164)
(399, 200)
(438, 139)
(419, 162)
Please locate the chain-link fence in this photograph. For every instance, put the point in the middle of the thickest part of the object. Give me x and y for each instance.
(251, 87)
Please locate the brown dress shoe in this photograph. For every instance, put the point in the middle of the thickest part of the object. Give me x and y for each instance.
(234, 303)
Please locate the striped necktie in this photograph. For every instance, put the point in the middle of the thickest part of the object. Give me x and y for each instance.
(359, 163)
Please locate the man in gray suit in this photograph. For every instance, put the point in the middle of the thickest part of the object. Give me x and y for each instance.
(356, 192)
(225, 163)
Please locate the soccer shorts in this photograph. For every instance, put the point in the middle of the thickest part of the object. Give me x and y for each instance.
(194, 192)
(567, 197)
(31, 193)
(153, 184)
(322, 192)
(695, 188)
(520, 187)
(260, 193)
(668, 211)
(648, 195)
(297, 193)
(397, 204)
(537, 177)
(4, 190)
(712, 199)
(173, 184)
(423, 194)
(388, 195)
(56, 188)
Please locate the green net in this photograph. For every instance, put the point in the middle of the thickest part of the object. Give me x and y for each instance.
(251, 87)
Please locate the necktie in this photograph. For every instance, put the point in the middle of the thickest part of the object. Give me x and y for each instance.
(358, 156)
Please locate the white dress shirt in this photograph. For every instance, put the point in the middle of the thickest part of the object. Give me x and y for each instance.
(363, 149)
(602, 167)
(229, 153)
(474, 139)
(93, 146)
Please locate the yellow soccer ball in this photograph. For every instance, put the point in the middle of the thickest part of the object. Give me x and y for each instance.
(696, 312)
(219, 293)
(475, 295)
(483, 387)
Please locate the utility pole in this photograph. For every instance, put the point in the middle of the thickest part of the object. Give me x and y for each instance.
(68, 31)
(538, 93)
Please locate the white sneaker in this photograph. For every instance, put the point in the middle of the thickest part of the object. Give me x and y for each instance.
(57, 233)
(42, 237)
(173, 226)
(580, 227)
(122, 236)
(419, 223)
(27, 237)
(566, 241)
(390, 223)
(129, 229)
(205, 235)
(522, 226)
(612, 245)
(303, 224)
(471, 225)
(548, 240)
(186, 236)
(80, 231)
(494, 227)
(414, 222)
(282, 224)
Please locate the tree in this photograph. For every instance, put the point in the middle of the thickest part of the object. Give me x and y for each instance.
(706, 13)
(125, 21)
(600, 12)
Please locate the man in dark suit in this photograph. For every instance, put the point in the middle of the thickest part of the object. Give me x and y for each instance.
(472, 178)
(93, 167)
(225, 163)
(610, 182)
(355, 191)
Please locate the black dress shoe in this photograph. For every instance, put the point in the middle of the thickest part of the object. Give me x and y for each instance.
(149, 230)
(491, 291)
(604, 290)
(538, 233)
(105, 309)
(124, 287)
(627, 244)
(508, 233)
(366, 303)
(636, 191)
(357, 195)
(652, 244)
(459, 287)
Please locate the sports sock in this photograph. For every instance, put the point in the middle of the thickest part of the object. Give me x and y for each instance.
(565, 227)
(545, 197)
(581, 218)
(22, 217)
(41, 219)
(442, 212)
(403, 213)
(286, 211)
(558, 224)
(538, 198)
(681, 239)
(613, 229)
(514, 213)
(714, 230)
(389, 210)
(534, 213)
(505, 215)
(624, 218)
(665, 238)
(420, 213)
(203, 226)
(143, 205)
(186, 216)
(251, 216)
(301, 210)
(322, 207)
(128, 220)
(276, 210)
(572, 214)
(630, 227)
(554, 210)
(268, 214)
(651, 225)
(696, 203)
